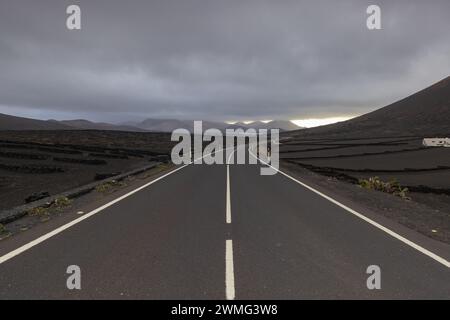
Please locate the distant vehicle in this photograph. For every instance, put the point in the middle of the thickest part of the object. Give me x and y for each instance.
(436, 142)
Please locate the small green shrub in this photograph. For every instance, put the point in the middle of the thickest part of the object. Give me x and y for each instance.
(392, 187)
(38, 211)
(4, 233)
(44, 212)
(107, 186)
(62, 202)
(164, 166)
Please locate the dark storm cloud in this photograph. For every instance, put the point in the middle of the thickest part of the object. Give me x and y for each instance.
(225, 59)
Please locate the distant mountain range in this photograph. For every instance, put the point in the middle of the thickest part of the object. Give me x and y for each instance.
(88, 125)
(168, 125)
(8, 122)
(425, 113)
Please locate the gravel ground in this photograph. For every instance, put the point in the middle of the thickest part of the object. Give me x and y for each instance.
(428, 214)
(70, 155)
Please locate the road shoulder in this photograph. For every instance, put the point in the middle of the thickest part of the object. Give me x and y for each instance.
(29, 227)
(412, 220)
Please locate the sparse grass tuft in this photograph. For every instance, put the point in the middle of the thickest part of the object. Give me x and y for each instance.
(392, 187)
(44, 212)
(4, 233)
(159, 168)
(108, 186)
(164, 166)
(38, 211)
(61, 203)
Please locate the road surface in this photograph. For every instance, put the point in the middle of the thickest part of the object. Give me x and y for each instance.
(220, 232)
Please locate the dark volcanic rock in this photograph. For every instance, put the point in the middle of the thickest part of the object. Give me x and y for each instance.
(81, 161)
(161, 158)
(102, 176)
(37, 196)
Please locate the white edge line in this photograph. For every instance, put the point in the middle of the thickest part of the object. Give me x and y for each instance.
(60, 229)
(229, 270)
(363, 217)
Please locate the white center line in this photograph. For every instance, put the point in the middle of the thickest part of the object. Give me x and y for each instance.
(68, 225)
(363, 217)
(229, 264)
(228, 214)
(228, 205)
(229, 270)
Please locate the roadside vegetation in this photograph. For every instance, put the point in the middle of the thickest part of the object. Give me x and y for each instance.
(4, 233)
(44, 212)
(38, 211)
(108, 186)
(2, 229)
(393, 187)
(61, 203)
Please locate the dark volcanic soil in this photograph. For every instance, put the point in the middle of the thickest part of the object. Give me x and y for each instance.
(426, 213)
(425, 171)
(57, 161)
(156, 142)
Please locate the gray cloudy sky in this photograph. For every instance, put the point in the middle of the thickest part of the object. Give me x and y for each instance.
(217, 59)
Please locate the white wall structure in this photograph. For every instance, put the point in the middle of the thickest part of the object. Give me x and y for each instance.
(436, 142)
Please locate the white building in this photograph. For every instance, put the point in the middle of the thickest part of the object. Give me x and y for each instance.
(436, 142)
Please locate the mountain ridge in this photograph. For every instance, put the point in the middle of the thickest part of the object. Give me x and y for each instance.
(10, 122)
(423, 113)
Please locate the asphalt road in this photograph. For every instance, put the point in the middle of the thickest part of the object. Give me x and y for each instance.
(222, 232)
